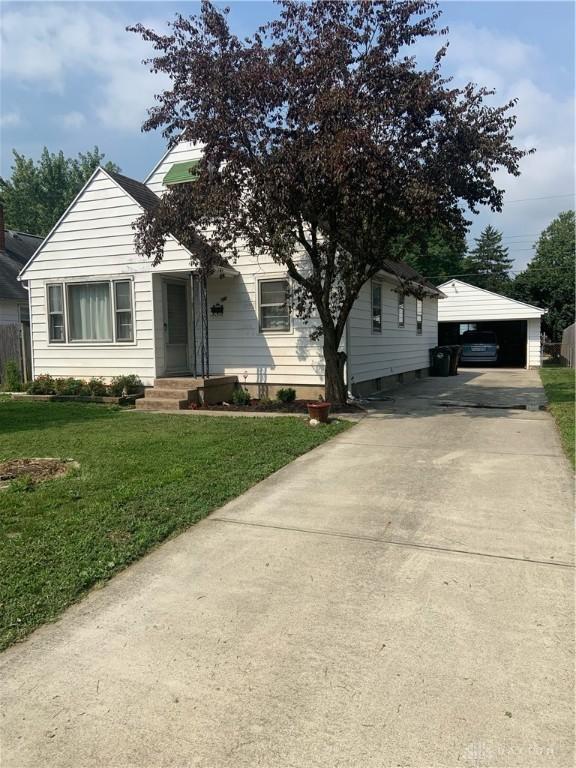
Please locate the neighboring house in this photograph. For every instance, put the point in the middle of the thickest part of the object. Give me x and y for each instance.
(516, 324)
(16, 248)
(99, 309)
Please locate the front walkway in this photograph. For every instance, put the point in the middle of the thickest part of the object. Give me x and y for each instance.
(401, 596)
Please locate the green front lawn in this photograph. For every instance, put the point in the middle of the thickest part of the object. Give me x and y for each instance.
(559, 386)
(142, 477)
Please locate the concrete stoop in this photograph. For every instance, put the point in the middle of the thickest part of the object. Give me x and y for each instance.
(180, 392)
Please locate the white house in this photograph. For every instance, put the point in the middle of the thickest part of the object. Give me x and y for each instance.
(98, 309)
(516, 324)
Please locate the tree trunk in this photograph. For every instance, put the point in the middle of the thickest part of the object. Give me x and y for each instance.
(334, 369)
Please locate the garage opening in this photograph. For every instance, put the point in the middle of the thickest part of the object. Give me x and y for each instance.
(511, 337)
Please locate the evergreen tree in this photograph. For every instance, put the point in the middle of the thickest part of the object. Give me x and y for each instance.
(488, 264)
(38, 193)
(548, 280)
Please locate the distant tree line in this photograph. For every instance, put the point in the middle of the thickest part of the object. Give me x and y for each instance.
(38, 192)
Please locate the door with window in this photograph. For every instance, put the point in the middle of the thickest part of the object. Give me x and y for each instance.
(176, 326)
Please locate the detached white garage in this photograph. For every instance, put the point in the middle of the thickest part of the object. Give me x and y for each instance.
(516, 324)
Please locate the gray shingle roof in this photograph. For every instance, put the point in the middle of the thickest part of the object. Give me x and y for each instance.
(19, 249)
(405, 272)
(140, 192)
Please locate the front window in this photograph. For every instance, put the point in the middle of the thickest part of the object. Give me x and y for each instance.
(418, 316)
(99, 311)
(89, 315)
(274, 308)
(376, 307)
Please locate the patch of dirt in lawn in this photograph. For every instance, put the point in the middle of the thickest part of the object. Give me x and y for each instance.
(34, 470)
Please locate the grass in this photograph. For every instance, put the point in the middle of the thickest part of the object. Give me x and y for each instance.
(559, 386)
(141, 478)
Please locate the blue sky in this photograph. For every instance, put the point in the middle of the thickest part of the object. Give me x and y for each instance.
(75, 79)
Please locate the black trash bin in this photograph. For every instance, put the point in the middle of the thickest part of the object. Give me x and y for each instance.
(440, 361)
(455, 351)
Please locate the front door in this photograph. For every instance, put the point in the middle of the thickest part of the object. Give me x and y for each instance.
(176, 326)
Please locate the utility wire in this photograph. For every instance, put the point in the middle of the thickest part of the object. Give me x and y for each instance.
(546, 197)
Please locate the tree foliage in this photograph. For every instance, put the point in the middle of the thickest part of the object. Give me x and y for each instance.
(326, 146)
(38, 193)
(439, 256)
(548, 280)
(488, 264)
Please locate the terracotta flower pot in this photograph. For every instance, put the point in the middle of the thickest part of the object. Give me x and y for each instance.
(319, 411)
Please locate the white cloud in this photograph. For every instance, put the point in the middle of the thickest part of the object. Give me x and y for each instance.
(71, 120)
(10, 119)
(545, 122)
(71, 40)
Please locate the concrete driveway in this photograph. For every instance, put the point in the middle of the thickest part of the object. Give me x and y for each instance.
(401, 596)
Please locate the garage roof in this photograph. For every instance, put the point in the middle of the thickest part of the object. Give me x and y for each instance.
(468, 303)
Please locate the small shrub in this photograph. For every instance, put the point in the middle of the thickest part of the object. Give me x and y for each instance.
(129, 383)
(42, 385)
(241, 397)
(12, 379)
(286, 395)
(70, 386)
(96, 387)
(266, 402)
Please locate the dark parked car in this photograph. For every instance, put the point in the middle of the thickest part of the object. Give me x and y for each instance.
(479, 347)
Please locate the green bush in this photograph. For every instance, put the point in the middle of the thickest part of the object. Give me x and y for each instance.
(42, 385)
(130, 383)
(70, 386)
(286, 395)
(96, 387)
(11, 379)
(241, 397)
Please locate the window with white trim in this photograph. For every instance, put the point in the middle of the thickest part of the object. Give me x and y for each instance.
(401, 309)
(56, 331)
(99, 311)
(376, 307)
(418, 316)
(274, 310)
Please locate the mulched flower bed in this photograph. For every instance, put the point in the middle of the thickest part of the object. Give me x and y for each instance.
(298, 406)
(37, 470)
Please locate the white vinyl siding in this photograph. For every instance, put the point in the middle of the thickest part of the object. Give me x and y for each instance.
(397, 349)
(467, 303)
(239, 348)
(533, 345)
(95, 241)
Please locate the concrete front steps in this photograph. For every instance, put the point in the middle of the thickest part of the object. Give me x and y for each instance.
(179, 392)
